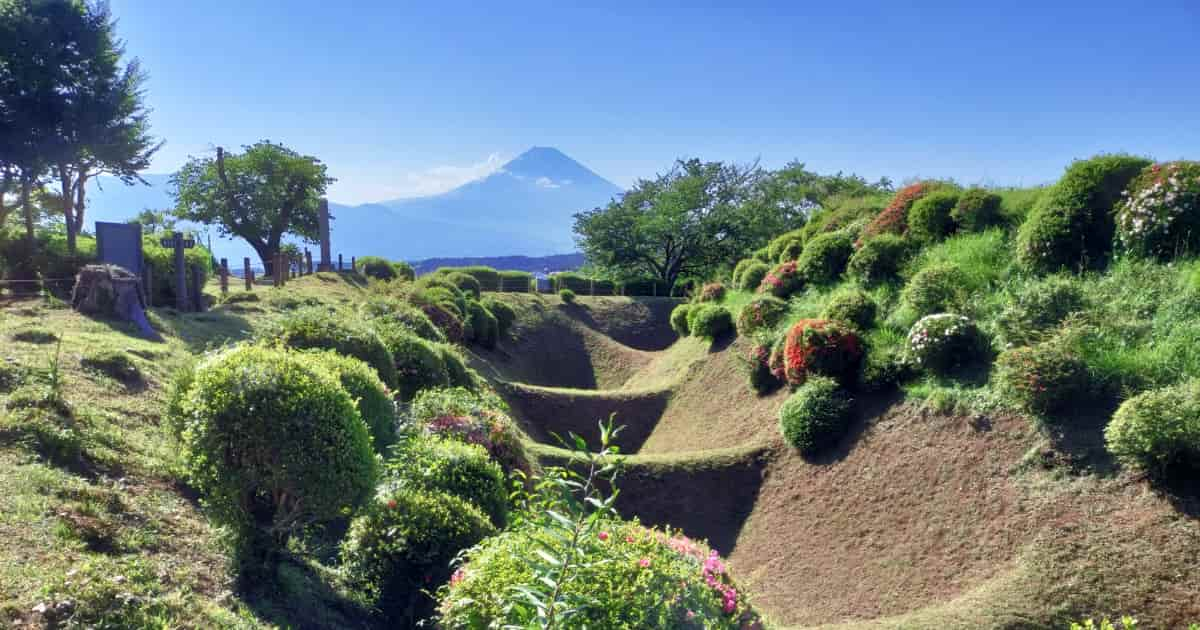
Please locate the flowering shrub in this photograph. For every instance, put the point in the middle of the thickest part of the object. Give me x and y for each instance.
(1043, 378)
(757, 364)
(631, 577)
(936, 288)
(711, 292)
(825, 257)
(763, 312)
(679, 319)
(929, 218)
(782, 281)
(752, 276)
(894, 218)
(879, 259)
(1159, 214)
(402, 544)
(710, 321)
(466, 471)
(473, 417)
(1159, 431)
(852, 306)
(1071, 225)
(976, 210)
(777, 361)
(944, 342)
(818, 346)
(816, 416)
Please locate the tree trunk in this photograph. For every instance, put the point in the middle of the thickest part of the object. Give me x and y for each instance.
(68, 199)
(80, 183)
(27, 207)
(4, 184)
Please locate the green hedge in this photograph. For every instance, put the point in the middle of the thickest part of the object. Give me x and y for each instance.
(583, 285)
(645, 287)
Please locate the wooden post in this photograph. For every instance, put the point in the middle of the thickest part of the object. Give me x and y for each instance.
(323, 229)
(181, 292)
(354, 263)
(277, 272)
(339, 262)
(197, 289)
(224, 276)
(593, 287)
(248, 274)
(308, 261)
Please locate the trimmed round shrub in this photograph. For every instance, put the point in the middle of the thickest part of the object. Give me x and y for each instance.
(929, 219)
(629, 576)
(782, 281)
(404, 271)
(785, 243)
(418, 364)
(821, 347)
(1159, 214)
(485, 329)
(752, 276)
(473, 417)
(465, 283)
(853, 307)
(825, 257)
(318, 329)
(937, 288)
(464, 470)
(977, 210)
(763, 255)
(273, 443)
(436, 289)
(944, 342)
(884, 369)
(457, 371)
(1071, 225)
(764, 312)
(736, 276)
(450, 325)
(409, 316)
(378, 268)
(503, 312)
(1159, 431)
(1044, 378)
(1038, 307)
(709, 321)
(894, 218)
(711, 292)
(371, 397)
(680, 319)
(815, 416)
(758, 368)
(567, 296)
(402, 543)
(879, 259)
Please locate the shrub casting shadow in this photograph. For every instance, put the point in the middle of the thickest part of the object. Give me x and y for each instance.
(1079, 434)
(298, 596)
(867, 408)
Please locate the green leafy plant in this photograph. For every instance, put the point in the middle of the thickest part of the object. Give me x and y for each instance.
(825, 257)
(1159, 214)
(1126, 623)
(711, 292)
(938, 288)
(820, 347)
(314, 328)
(378, 268)
(417, 363)
(785, 245)
(680, 318)
(1158, 431)
(977, 209)
(567, 296)
(475, 417)
(944, 342)
(465, 283)
(762, 313)
(852, 306)
(709, 321)
(396, 311)
(503, 312)
(465, 470)
(879, 259)
(485, 328)
(752, 276)
(371, 397)
(112, 363)
(1043, 378)
(782, 281)
(815, 416)
(930, 218)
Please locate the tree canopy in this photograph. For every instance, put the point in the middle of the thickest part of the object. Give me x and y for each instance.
(699, 216)
(259, 195)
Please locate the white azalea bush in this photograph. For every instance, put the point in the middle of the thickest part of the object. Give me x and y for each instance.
(1159, 214)
(943, 342)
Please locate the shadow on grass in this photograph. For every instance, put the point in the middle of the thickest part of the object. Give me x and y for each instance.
(867, 407)
(199, 331)
(303, 594)
(1079, 435)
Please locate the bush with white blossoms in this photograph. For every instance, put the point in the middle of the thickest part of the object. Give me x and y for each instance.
(944, 342)
(1159, 214)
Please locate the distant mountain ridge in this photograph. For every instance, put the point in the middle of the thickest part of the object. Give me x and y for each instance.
(532, 264)
(525, 208)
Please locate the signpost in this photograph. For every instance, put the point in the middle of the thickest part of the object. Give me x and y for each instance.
(178, 243)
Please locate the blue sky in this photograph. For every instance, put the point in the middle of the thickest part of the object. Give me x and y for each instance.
(407, 98)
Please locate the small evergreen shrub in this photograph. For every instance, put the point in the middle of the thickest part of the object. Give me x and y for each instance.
(272, 444)
(485, 328)
(938, 288)
(504, 314)
(816, 416)
(473, 417)
(782, 281)
(567, 296)
(762, 313)
(852, 306)
(894, 218)
(1071, 225)
(391, 309)
(782, 245)
(944, 342)
(736, 277)
(1036, 307)
(709, 321)
(757, 365)
(792, 250)
(112, 363)
(465, 283)
(457, 371)
(825, 257)
(1044, 378)
(436, 289)
(1159, 431)
(977, 210)
(1159, 214)
(752, 276)
(841, 212)
(449, 324)
(929, 219)
(378, 268)
(402, 543)
(371, 397)
(680, 319)
(516, 281)
(314, 328)
(884, 369)
(763, 255)
(486, 278)
(418, 365)
(879, 259)
(711, 292)
(821, 347)
(464, 470)
(404, 271)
